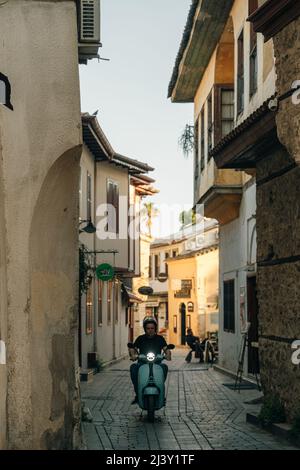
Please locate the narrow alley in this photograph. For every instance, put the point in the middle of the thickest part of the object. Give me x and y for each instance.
(201, 413)
(149, 207)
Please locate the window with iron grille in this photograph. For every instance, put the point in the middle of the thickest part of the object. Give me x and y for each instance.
(229, 306)
(89, 197)
(100, 299)
(89, 310)
(210, 124)
(240, 74)
(202, 139)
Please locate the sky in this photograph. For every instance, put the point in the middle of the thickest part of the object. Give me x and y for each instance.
(141, 38)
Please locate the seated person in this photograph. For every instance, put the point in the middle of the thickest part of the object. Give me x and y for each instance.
(149, 342)
(194, 344)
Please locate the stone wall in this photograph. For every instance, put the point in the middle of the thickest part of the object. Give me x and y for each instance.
(278, 229)
(41, 143)
(287, 51)
(278, 249)
(3, 309)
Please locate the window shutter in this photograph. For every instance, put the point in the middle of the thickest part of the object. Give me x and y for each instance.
(113, 200)
(253, 5)
(116, 205)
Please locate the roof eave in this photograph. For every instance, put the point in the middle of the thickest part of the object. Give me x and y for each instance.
(90, 122)
(201, 36)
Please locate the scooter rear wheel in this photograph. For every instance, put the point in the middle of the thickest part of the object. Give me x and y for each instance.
(150, 409)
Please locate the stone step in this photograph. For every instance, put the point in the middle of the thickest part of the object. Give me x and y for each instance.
(86, 375)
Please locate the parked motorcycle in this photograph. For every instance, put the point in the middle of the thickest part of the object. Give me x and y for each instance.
(151, 382)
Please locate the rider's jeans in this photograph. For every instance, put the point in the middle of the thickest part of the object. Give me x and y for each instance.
(134, 370)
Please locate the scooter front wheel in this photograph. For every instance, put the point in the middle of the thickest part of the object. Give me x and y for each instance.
(150, 408)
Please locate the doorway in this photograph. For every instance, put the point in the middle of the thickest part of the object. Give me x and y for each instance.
(252, 308)
(182, 310)
(130, 322)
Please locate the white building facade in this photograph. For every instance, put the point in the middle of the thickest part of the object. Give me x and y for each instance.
(108, 178)
(228, 72)
(40, 150)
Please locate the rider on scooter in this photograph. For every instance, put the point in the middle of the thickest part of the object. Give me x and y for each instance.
(149, 342)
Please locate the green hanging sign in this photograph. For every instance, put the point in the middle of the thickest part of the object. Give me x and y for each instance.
(105, 272)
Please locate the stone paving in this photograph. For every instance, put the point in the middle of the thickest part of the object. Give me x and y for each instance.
(201, 413)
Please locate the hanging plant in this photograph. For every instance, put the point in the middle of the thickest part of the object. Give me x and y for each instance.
(186, 140)
(86, 269)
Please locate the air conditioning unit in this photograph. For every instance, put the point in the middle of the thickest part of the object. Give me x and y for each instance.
(88, 29)
(89, 21)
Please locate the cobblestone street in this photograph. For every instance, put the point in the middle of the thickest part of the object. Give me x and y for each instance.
(201, 413)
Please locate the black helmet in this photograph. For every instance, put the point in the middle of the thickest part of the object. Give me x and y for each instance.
(149, 320)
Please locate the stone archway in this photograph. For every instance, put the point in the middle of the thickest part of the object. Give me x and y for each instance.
(53, 253)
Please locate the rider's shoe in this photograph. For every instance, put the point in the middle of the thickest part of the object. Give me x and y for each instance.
(135, 400)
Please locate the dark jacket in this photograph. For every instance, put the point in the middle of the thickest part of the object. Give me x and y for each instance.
(191, 340)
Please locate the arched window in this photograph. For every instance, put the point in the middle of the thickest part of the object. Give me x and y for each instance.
(5, 91)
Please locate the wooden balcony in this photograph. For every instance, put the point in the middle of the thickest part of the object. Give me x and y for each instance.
(221, 192)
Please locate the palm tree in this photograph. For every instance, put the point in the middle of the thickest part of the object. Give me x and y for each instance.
(150, 211)
(187, 218)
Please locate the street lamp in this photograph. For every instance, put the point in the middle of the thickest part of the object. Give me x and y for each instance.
(90, 228)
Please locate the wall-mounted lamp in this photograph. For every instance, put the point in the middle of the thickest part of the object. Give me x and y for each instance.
(90, 228)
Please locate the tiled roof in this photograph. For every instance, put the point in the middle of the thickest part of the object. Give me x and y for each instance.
(98, 144)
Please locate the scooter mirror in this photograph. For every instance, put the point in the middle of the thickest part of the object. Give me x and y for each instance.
(130, 345)
(171, 346)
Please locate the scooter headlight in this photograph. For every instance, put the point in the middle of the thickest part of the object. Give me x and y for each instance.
(150, 356)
